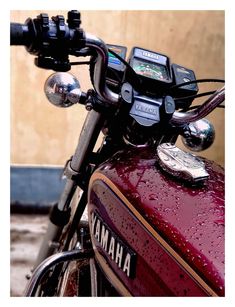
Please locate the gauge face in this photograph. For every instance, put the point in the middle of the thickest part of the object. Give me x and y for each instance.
(150, 70)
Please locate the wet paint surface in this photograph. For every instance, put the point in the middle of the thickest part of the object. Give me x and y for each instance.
(190, 219)
(156, 273)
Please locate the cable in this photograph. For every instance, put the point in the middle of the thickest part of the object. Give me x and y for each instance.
(197, 81)
(115, 74)
(81, 63)
(195, 96)
(120, 58)
(133, 74)
(195, 107)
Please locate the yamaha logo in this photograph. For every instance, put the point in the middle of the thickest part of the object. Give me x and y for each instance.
(143, 107)
(150, 55)
(116, 250)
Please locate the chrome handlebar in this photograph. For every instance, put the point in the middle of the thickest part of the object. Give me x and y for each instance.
(202, 111)
(100, 69)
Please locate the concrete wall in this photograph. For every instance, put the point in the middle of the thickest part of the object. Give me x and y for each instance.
(35, 185)
(44, 134)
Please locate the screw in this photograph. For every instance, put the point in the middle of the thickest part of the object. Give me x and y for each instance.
(89, 106)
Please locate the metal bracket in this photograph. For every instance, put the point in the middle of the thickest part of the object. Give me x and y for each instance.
(70, 173)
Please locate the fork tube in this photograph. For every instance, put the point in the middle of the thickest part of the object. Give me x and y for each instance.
(87, 140)
(89, 134)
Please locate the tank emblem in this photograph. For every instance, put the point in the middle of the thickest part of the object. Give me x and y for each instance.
(180, 163)
(113, 246)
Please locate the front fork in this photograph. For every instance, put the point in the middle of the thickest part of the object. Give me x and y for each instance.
(61, 213)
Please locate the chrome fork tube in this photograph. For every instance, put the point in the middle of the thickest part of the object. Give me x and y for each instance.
(87, 140)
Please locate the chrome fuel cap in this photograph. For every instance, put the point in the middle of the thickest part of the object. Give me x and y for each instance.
(181, 164)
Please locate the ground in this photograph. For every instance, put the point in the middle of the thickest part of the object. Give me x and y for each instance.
(26, 236)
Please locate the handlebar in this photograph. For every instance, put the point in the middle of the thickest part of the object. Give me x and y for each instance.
(53, 40)
(202, 111)
(100, 69)
(19, 34)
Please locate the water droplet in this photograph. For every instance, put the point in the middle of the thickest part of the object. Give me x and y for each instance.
(135, 195)
(153, 196)
(167, 209)
(219, 222)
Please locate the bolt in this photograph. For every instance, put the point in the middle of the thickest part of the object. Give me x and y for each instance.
(89, 106)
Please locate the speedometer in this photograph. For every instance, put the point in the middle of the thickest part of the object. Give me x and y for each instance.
(150, 70)
(153, 69)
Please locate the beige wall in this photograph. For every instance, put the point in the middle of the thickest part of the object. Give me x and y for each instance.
(44, 134)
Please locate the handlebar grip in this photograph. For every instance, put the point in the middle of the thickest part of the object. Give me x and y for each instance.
(18, 34)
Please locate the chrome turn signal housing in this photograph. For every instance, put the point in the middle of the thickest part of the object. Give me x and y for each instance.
(62, 89)
(199, 135)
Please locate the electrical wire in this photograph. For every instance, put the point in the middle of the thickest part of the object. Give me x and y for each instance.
(81, 63)
(196, 106)
(197, 81)
(133, 74)
(195, 96)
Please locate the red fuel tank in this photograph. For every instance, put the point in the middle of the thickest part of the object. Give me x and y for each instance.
(154, 235)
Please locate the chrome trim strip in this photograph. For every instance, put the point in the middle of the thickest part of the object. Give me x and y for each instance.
(94, 288)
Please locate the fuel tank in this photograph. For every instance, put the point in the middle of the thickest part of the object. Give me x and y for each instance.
(154, 235)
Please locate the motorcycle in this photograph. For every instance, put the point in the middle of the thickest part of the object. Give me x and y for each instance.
(155, 223)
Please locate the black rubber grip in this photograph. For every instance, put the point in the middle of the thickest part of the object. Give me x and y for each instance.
(17, 33)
